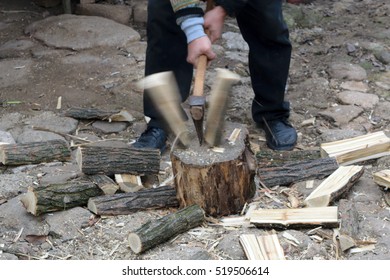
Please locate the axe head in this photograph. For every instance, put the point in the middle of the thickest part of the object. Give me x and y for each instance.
(197, 108)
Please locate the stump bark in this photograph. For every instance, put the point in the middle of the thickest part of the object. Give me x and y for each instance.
(154, 233)
(219, 182)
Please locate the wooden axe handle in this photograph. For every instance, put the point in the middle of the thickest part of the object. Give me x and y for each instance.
(202, 64)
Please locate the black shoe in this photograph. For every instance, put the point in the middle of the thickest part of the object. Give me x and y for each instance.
(280, 134)
(152, 137)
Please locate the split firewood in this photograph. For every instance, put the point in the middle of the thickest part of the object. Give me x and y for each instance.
(293, 172)
(129, 183)
(382, 178)
(346, 242)
(126, 203)
(112, 160)
(105, 183)
(299, 217)
(334, 186)
(220, 183)
(361, 148)
(157, 232)
(264, 247)
(57, 197)
(270, 158)
(35, 152)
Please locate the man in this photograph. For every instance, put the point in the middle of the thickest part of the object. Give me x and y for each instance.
(176, 39)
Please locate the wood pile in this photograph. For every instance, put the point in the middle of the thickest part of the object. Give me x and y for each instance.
(112, 185)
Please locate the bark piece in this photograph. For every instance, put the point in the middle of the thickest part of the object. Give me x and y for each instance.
(382, 178)
(112, 160)
(298, 217)
(156, 232)
(35, 152)
(126, 203)
(349, 218)
(57, 197)
(90, 113)
(334, 186)
(105, 183)
(220, 183)
(361, 148)
(293, 172)
(264, 247)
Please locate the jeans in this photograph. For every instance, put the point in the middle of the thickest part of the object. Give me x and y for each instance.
(262, 27)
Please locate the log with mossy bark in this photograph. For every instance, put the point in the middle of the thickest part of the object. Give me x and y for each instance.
(293, 172)
(154, 233)
(57, 197)
(127, 203)
(35, 152)
(115, 160)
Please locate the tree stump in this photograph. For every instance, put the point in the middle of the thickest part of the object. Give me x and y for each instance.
(220, 182)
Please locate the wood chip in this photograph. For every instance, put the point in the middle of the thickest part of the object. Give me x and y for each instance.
(265, 247)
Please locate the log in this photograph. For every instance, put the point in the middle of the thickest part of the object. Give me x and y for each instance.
(295, 217)
(105, 183)
(99, 114)
(220, 183)
(35, 152)
(114, 160)
(357, 149)
(89, 113)
(157, 232)
(127, 203)
(270, 158)
(264, 247)
(293, 172)
(334, 186)
(57, 197)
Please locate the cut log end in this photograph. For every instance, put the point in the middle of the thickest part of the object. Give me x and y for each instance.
(135, 243)
(29, 201)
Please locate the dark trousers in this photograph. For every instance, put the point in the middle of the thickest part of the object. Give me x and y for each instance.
(263, 28)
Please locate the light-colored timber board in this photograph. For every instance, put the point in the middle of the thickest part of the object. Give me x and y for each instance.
(264, 247)
(382, 178)
(326, 216)
(335, 182)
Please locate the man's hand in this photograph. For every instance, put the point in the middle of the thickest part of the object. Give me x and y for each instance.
(198, 47)
(213, 22)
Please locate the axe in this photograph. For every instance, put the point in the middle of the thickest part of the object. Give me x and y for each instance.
(197, 100)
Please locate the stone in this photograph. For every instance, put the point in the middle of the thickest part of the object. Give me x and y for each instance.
(140, 12)
(29, 136)
(6, 138)
(382, 110)
(364, 100)
(110, 127)
(383, 56)
(50, 121)
(15, 48)
(341, 114)
(11, 185)
(234, 41)
(66, 224)
(118, 13)
(331, 135)
(81, 32)
(354, 86)
(14, 72)
(347, 71)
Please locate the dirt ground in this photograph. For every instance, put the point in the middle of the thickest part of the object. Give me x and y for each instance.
(324, 34)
